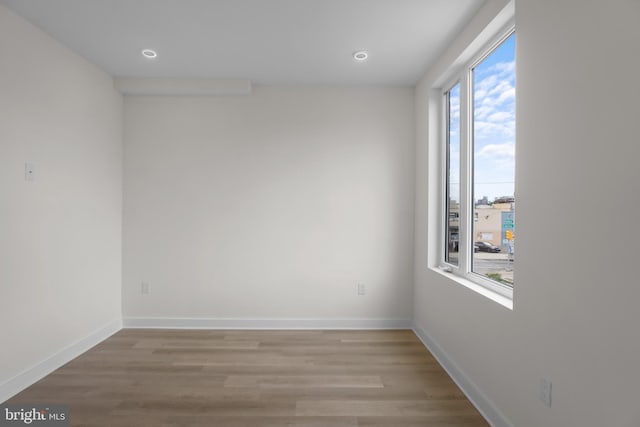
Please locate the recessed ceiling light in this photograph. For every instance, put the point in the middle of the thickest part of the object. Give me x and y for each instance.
(360, 55)
(148, 53)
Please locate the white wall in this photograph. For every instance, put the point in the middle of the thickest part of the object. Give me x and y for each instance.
(60, 235)
(575, 318)
(270, 206)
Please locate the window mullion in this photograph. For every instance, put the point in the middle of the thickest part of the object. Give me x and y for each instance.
(466, 215)
(445, 168)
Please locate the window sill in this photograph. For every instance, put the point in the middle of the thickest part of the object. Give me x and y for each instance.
(488, 293)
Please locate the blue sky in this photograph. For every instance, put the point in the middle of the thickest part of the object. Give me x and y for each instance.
(494, 125)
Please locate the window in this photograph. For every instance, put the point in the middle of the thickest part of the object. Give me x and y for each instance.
(479, 168)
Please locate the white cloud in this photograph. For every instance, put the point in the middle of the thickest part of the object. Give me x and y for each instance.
(505, 67)
(499, 88)
(498, 151)
(508, 94)
(504, 129)
(500, 116)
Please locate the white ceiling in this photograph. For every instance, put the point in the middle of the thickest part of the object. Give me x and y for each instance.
(265, 41)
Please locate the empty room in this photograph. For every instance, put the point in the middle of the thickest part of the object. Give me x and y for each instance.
(319, 213)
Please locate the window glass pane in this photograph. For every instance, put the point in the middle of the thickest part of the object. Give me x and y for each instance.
(494, 164)
(453, 175)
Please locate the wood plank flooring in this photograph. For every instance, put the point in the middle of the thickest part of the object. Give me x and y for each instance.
(176, 378)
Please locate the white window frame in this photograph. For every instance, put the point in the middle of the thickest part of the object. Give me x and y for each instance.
(462, 272)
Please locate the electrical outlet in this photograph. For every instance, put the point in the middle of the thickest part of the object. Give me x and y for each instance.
(362, 290)
(545, 391)
(144, 288)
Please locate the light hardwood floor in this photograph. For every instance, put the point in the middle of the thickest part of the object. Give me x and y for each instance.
(256, 378)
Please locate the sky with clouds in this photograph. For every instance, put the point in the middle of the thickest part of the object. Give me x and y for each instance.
(494, 96)
(493, 126)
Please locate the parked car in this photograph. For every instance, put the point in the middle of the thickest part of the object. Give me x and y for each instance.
(485, 247)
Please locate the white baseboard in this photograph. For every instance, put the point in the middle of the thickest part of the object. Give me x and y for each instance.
(488, 410)
(235, 323)
(23, 380)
